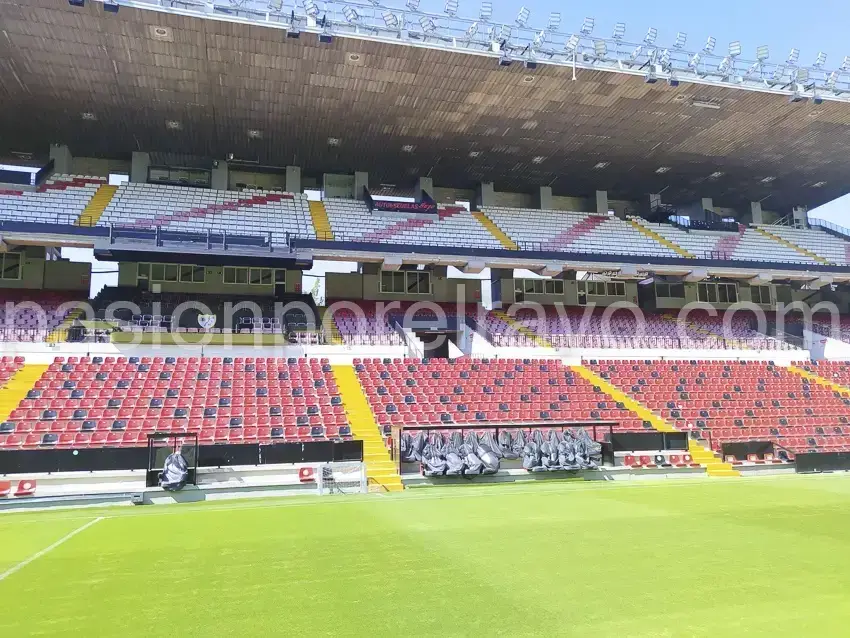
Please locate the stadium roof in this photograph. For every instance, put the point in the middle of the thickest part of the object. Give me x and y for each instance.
(107, 84)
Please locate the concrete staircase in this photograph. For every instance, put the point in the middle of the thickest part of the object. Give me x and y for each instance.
(713, 464)
(381, 472)
(497, 232)
(17, 387)
(644, 230)
(321, 223)
(60, 333)
(94, 209)
(523, 330)
(330, 328)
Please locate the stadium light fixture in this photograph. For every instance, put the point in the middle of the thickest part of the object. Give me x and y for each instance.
(413, 5)
(762, 53)
(710, 43)
(539, 40)
(600, 49)
(587, 26)
(681, 39)
(522, 16)
(486, 11)
(832, 80)
(571, 45)
(845, 65)
(734, 49)
(651, 35)
(778, 75)
(390, 19)
(351, 16)
(427, 24)
(451, 7)
(820, 61)
(693, 63)
(664, 60)
(619, 31)
(793, 56)
(800, 75)
(554, 21)
(471, 30)
(276, 5)
(636, 53)
(311, 8)
(725, 66)
(755, 68)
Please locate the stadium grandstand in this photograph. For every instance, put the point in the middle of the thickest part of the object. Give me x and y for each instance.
(542, 255)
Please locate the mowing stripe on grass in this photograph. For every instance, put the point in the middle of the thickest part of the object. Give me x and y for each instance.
(50, 548)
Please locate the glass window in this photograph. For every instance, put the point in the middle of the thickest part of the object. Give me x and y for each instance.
(677, 291)
(722, 295)
(662, 290)
(733, 293)
(11, 266)
(280, 276)
(143, 271)
(241, 275)
(157, 272)
(199, 274)
(171, 272)
(399, 282)
(529, 286)
(549, 287)
(582, 286)
(256, 276)
(229, 275)
(266, 277)
(621, 289)
(703, 292)
(186, 274)
(518, 285)
(386, 282)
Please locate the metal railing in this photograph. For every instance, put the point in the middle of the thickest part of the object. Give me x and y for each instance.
(638, 342)
(829, 226)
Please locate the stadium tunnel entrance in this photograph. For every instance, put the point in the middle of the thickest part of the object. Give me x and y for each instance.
(437, 343)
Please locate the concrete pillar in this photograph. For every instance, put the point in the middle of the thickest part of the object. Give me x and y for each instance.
(361, 181)
(424, 184)
(757, 214)
(496, 277)
(801, 217)
(707, 204)
(486, 194)
(544, 201)
(220, 177)
(602, 202)
(293, 179)
(139, 167)
(61, 156)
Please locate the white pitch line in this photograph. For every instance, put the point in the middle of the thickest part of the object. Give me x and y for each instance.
(50, 548)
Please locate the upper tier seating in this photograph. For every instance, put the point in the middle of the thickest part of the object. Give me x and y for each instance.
(575, 232)
(439, 391)
(35, 314)
(746, 245)
(834, 249)
(201, 209)
(95, 402)
(581, 328)
(731, 401)
(454, 226)
(59, 200)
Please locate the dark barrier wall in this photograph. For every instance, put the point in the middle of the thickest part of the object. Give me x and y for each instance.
(136, 458)
(823, 461)
(742, 450)
(639, 441)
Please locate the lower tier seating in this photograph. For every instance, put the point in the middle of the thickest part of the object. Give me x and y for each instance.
(732, 401)
(34, 315)
(96, 402)
(437, 391)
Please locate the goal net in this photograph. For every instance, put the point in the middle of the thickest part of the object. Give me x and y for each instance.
(342, 478)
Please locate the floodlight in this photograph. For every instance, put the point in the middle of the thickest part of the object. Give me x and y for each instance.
(754, 69)
(762, 53)
(390, 19)
(522, 16)
(505, 33)
(832, 80)
(554, 21)
(571, 44)
(619, 31)
(681, 39)
(710, 43)
(587, 26)
(427, 24)
(725, 66)
(820, 61)
(664, 61)
(451, 7)
(276, 5)
(471, 30)
(845, 65)
(538, 40)
(311, 8)
(793, 56)
(693, 63)
(600, 49)
(734, 49)
(350, 14)
(651, 34)
(778, 74)
(800, 75)
(636, 53)
(486, 11)
(413, 5)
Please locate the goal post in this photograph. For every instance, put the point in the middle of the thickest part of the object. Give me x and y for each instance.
(341, 477)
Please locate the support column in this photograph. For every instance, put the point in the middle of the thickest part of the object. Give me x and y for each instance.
(62, 159)
(293, 179)
(497, 275)
(361, 181)
(423, 184)
(801, 217)
(486, 194)
(220, 177)
(602, 202)
(544, 200)
(139, 167)
(757, 214)
(707, 204)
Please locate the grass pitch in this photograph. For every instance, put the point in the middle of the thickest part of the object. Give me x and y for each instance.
(692, 558)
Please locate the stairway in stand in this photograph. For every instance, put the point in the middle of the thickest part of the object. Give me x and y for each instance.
(97, 204)
(17, 387)
(714, 466)
(321, 223)
(381, 473)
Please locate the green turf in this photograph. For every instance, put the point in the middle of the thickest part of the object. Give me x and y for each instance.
(707, 558)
